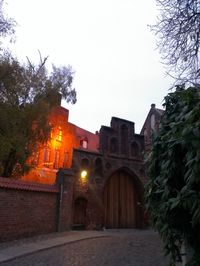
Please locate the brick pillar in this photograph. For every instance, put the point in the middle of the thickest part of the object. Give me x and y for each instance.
(65, 180)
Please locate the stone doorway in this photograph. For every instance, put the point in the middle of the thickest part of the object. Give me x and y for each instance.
(79, 220)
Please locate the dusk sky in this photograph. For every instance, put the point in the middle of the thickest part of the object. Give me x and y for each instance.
(109, 46)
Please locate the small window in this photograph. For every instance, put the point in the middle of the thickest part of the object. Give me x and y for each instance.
(35, 160)
(59, 134)
(84, 143)
(57, 159)
(47, 153)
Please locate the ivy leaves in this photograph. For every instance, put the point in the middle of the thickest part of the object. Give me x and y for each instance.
(173, 190)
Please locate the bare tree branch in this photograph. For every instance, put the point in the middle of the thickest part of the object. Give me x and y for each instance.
(178, 34)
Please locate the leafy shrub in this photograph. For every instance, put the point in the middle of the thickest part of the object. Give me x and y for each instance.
(173, 190)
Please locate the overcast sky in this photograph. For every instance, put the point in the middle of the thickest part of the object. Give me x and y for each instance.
(109, 46)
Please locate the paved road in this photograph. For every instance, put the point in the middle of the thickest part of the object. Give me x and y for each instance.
(120, 248)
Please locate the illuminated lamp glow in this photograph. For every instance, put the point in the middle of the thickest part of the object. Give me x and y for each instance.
(83, 174)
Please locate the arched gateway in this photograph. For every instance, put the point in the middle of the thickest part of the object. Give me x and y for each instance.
(121, 201)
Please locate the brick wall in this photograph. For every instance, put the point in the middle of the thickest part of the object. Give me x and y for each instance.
(27, 209)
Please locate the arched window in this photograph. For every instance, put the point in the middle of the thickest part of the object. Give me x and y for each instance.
(135, 150)
(47, 153)
(57, 159)
(98, 167)
(124, 140)
(59, 134)
(113, 145)
(85, 164)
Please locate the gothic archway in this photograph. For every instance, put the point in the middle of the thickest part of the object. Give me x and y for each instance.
(121, 201)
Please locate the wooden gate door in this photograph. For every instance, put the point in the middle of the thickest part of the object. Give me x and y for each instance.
(80, 206)
(119, 201)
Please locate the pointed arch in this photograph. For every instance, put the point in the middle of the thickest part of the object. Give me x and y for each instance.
(135, 149)
(124, 139)
(121, 198)
(85, 164)
(98, 167)
(113, 145)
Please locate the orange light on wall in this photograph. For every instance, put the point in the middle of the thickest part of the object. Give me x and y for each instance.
(59, 134)
(58, 151)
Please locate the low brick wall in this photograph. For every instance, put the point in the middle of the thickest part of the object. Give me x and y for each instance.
(27, 209)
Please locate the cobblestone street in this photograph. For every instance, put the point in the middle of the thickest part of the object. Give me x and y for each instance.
(119, 248)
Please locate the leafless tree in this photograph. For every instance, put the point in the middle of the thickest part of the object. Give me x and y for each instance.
(178, 32)
(6, 24)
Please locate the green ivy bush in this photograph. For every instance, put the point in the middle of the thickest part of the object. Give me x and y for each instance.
(173, 189)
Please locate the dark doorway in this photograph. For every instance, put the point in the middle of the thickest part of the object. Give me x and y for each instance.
(79, 221)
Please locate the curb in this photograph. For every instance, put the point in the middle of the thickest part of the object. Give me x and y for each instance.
(12, 253)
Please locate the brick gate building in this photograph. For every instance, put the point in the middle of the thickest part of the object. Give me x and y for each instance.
(110, 193)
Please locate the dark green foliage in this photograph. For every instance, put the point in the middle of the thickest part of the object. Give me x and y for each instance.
(173, 190)
(27, 94)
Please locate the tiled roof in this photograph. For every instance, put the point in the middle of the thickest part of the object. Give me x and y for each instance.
(24, 185)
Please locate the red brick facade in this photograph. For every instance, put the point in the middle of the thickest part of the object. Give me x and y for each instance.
(58, 151)
(110, 195)
(120, 158)
(27, 209)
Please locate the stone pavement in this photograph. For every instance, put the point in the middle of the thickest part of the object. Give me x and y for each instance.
(14, 250)
(122, 247)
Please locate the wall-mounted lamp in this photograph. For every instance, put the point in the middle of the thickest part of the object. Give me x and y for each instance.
(84, 174)
(83, 180)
